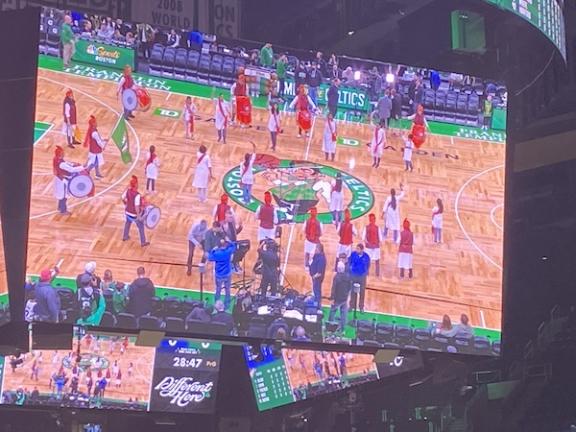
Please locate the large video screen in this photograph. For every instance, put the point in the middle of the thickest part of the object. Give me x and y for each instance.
(283, 376)
(112, 372)
(210, 191)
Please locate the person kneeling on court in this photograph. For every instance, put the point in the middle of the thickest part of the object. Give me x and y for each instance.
(341, 287)
(133, 209)
(222, 258)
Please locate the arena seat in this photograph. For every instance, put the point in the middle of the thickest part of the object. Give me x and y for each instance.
(463, 342)
(174, 325)
(70, 316)
(192, 65)
(422, 335)
(239, 63)
(126, 321)
(391, 345)
(149, 322)
(384, 332)
(204, 64)
(155, 62)
(53, 41)
(108, 320)
(207, 328)
(257, 327)
(365, 330)
(481, 345)
(496, 345)
(68, 298)
(180, 63)
(168, 62)
(403, 334)
(215, 77)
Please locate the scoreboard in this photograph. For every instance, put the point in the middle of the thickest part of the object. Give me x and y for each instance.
(545, 15)
(271, 385)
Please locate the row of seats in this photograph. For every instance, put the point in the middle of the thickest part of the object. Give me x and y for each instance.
(391, 336)
(192, 65)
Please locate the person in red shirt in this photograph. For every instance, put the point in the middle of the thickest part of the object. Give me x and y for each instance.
(346, 233)
(372, 238)
(313, 232)
(419, 126)
(268, 218)
(303, 105)
(96, 145)
(133, 207)
(405, 250)
(70, 119)
(220, 209)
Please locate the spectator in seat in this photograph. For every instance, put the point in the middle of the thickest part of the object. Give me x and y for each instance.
(222, 258)
(464, 328)
(68, 41)
(86, 29)
(118, 37)
(119, 298)
(47, 299)
(267, 55)
(446, 328)
(105, 32)
(334, 72)
(300, 334)
(130, 39)
(199, 314)
(348, 75)
(333, 61)
(173, 39)
(221, 316)
(332, 97)
(90, 270)
(92, 302)
(140, 294)
(341, 287)
(108, 282)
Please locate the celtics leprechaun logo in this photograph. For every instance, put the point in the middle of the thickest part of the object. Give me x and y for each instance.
(297, 186)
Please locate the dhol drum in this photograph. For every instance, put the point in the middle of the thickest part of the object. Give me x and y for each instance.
(81, 185)
(144, 99)
(129, 99)
(244, 110)
(151, 216)
(304, 120)
(418, 135)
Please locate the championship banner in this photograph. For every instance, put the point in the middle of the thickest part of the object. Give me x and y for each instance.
(120, 138)
(102, 54)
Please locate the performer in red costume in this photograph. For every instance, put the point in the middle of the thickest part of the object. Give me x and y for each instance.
(313, 232)
(419, 126)
(133, 206)
(70, 119)
(346, 233)
(243, 103)
(220, 209)
(268, 218)
(62, 172)
(95, 145)
(372, 238)
(126, 82)
(405, 250)
(303, 105)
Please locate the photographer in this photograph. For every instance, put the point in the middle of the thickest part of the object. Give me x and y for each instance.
(268, 254)
(92, 302)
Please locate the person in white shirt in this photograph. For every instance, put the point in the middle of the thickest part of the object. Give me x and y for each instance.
(407, 152)
(152, 164)
(96, 145)
(221, 117)
(274, 124)
(437, 221)
(62, 173)
(377, 144)
(329, 141)
(203, 173)
(391, 214)
(173, 39)
(189, 112)
(247, 174)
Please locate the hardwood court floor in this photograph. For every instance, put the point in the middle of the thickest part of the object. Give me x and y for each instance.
(136, 386)
(462, 275)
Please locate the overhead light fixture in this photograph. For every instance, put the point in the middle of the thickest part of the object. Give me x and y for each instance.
(350, 32)
(390, 78)
(544, 258)
(357, 75)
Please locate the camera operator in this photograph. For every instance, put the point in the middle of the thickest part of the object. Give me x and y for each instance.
(268, 254)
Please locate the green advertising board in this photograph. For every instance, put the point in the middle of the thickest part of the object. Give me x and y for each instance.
(499, 119)
(102, 54)
(349, 98)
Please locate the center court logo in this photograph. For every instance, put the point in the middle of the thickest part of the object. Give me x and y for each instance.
(296, 186)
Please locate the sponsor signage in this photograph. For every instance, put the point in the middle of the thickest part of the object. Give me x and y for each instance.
(185, 376)
(102, 54)
(348, 97)
(166, 112)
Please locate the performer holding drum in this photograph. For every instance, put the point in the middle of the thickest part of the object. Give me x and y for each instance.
(133, 210)
(70, 119)
(303, 104)
(133, 97)
(243, 103)
(63, 172)
(96, 146)
(419, 126)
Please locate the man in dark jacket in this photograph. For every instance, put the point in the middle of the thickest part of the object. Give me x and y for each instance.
(317, 272)
(221, 316)
(341, 287)
(47, 299)
(314, 79)
(268, 253)
(333, 97)
(212, 238)
(140, 294)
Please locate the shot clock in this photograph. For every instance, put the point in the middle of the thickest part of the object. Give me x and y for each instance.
(185, 376)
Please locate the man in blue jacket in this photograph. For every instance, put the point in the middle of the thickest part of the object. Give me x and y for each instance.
(222, 258)
(47, 299)
(359, 265)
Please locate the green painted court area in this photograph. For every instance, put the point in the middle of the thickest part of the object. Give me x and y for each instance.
(41, 129)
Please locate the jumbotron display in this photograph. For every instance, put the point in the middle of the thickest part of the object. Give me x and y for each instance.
(202, 189)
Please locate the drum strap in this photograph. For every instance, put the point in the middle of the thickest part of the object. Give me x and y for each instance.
(332, 129)
(378, 141)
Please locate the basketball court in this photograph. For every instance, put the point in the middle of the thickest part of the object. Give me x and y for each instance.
(461, 275)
